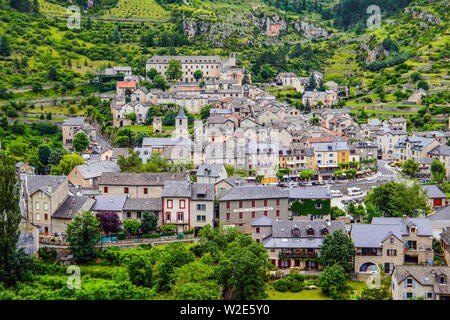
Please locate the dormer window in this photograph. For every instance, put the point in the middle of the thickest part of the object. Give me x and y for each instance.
(324, 231)
(442, 280)
(310, 232)
(412, 229)
(295, 232)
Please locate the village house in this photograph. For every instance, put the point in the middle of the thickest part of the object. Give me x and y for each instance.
(310, 203)
(211, 173)
(388, 139)
(72, 206)
(316, 98)
(23, 168)
(414, 148)
(112, 154)
(436, 198)
(72, 126)
(228, 183)
(289, 79)
(43, 196)
(87, 175)
(109, 205)
(134, 208)
(293, 243)
(238, 206)
(442, 153)
(427, 282)
(137, 185)
(329, 155)
(391, 242)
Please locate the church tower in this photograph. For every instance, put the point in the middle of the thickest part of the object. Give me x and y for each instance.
(181, 125)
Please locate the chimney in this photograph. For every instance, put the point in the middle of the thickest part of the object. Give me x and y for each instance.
(404, 218)
(49, 188)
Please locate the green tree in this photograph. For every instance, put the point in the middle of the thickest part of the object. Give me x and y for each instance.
(160, 83)
(415, 76)
(10, 218)
(204, 112)
(241, 269)
(80, 142)
(336, 212)
(333, 281)
(438, 171)
(410, 167)
(196, 281)
(230, 170)
(149, 221)
(132, 226)
(198, 74)
(140, 270)
(337, 248)
(422, 84)
(5, 49)
(306, 175)
(68, 162)
(350, 173)
(44, 152)
(82, 234)
(174, 71)
(152, 73)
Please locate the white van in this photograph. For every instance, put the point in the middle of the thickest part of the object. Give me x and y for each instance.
(354, 191)
(336, 194)
(86, 157)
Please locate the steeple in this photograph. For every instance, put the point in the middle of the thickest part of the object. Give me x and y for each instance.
(181, 114)
(181, 125)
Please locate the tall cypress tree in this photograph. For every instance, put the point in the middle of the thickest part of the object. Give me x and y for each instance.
(9, 214)
(5, 50)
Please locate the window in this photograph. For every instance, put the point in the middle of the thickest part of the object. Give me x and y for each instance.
(182, 204)
(37, 205)
(319, 205)
(169, 204)
(324, 231)
(392, 252)
(409, 295)
(253, 203)
(38, 217)
(253, 214)
(278, 213)
(240, 204)
(278, 202)
(429, 295)
(105, 189)
(168, 216)
(258, 230)
(392, 240)
(409, 283)
(265, 203)
(310, 232)
(138, 214)
(145, 190)
(228, 205)
(228, 216)
(180, 217)
(295, 232)
(441, 279)
(203, 218)
(128, 214)
(45, 216)
(125, 190)
(201, 207)
(241, 216)
(265, 213)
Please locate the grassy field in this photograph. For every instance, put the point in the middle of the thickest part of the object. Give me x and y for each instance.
(316, 294)
(143, 9)
(51, 8)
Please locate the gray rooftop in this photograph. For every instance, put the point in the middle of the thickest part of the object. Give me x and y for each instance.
(143, 204)
(177, 189)
(249, 192)
(47, 184)
(141, 179)
(161, 142)
(109, 203)
(423, 225)
(425, 275)
(76, 121)
(262, 221)
(71, 206)
(210, 170)
(95, 169)
(330, 146)
(235, 181)
(433, 192)
(309, 193)
(181, 114)
(202, 191)
(372, 235)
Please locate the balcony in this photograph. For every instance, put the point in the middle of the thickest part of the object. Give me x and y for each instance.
(297, 254)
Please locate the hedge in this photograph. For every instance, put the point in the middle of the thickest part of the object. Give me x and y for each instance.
(167, 234)
(151, 235)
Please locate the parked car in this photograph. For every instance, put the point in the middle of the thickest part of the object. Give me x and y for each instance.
(86, 157)
(336, 193)
(354, 191)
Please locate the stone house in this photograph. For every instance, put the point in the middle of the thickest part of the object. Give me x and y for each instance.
(391, 242)
(314, 203)
(134, 208)
(72, 126)
(211, 173)
(72, 206)
(436, 198)
(427, 282)
(87, 175)
(239, 205)
(293, 243)
(137, 185)
(228, 183)
(23, 168)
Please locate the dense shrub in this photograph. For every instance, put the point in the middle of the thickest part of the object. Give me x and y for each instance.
(296, 286)
(151, 235)
(282, 285)
(121, 235)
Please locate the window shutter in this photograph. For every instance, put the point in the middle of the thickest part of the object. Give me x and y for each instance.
(405, 295)
(405, 283)
(414, 295)
(434, 295)
(414, 283)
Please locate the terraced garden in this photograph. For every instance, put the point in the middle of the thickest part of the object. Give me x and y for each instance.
(142, 9)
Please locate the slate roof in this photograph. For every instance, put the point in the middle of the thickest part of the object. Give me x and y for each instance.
(161, 142)
(283, 229)
(143, 204)
(330, 146)
(109, 203)
(309, 193)
(141, 179)
(249, 192)
(433, 192)
(177, 189)
(210, 170)
(445, 236)
(76, 121)
(235, 181)
(181, 114)
(95, 169)
(202, 191)
(441, 214)
(217, 119)
(42, 183)
(425, 275)
(372, 235)
(440, 150)
(262, 221)
(423, 225)
(71, 206)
